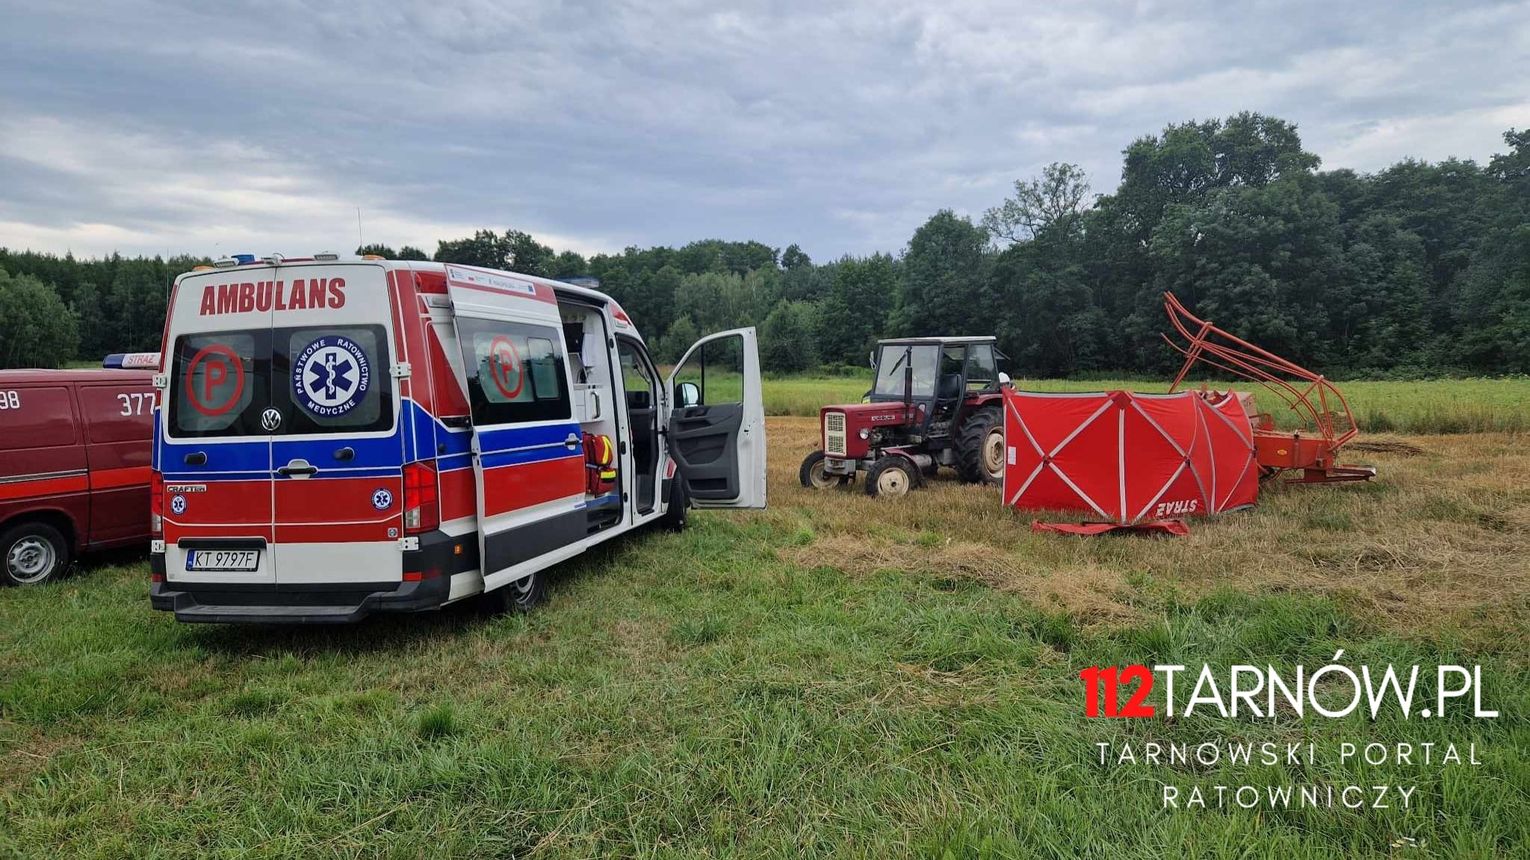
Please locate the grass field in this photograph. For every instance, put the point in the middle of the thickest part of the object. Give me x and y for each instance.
(838, 675)
(1431, 406)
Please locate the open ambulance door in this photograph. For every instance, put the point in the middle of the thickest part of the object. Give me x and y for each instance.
(716, 430)
(528, 463)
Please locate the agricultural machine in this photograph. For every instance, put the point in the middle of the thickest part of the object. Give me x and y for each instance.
(935, 402)
(1318, 404)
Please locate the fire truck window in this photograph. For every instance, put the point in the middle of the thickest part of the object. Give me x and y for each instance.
(219, 383)
(516, 372)
(328, 379)
(982, 370)
(36, 418)
(717, 369)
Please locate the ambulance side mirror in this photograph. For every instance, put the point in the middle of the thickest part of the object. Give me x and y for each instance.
(688, 393)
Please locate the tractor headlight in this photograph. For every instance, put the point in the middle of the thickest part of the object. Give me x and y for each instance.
(865, 433)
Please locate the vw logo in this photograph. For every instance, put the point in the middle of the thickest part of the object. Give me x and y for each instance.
(270, 420)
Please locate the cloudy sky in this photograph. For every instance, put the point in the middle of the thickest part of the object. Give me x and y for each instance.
(215, 127)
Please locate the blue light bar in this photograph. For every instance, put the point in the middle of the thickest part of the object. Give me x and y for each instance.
(244, 259)
(132, 361)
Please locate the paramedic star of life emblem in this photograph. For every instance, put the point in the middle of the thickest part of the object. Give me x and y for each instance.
(331, 375)
(382, 500)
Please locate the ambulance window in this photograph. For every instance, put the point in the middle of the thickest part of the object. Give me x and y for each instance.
(717, 369)
(331, 379)
(516, 372)
(636, 380)
(218, 383)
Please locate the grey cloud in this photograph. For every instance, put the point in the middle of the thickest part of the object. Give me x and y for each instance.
(147, 126)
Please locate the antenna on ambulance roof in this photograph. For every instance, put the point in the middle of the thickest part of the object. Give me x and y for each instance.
(359, 242)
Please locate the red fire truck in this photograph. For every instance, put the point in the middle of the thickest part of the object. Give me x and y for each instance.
(74, 466)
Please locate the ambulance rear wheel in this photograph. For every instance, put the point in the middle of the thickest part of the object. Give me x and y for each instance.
(32, 553)
(523, 595)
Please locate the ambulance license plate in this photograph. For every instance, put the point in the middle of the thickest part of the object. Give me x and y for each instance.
(223, 559)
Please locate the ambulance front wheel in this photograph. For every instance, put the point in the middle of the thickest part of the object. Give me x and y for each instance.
(32, 553)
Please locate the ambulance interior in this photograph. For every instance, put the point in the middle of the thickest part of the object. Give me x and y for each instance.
(596, 408)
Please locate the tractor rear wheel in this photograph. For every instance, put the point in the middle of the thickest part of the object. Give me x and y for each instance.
(813, 476)
(891, 476)
(980, 446)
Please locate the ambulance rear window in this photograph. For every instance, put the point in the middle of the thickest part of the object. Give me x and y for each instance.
(218, 383)
(330, 379)
(314, 380)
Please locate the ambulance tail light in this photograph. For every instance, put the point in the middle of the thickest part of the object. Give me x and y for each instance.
(156, 504)
(421, 510)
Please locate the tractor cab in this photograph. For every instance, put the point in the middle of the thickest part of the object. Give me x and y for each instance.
(934, 401)
(934, 376)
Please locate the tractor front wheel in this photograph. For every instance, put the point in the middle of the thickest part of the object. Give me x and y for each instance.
(813, 476)
(980, 447)
(891, 476)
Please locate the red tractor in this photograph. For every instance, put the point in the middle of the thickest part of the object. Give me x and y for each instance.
(936, 402)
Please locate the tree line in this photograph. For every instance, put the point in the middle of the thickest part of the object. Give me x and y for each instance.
(1419, 269)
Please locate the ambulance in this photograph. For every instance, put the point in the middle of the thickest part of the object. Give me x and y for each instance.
(338, 437)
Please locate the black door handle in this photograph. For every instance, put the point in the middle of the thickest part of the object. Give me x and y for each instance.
(298, 470)
(196, 458)
(346, 453)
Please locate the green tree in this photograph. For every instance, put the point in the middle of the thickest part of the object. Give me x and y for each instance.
(788, 342)
(944, 288)
(681, 334)
(854, 313)
(138, 296)
(1056, 200)
(36, 328)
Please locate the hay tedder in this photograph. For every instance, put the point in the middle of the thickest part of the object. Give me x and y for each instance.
(1325, 416)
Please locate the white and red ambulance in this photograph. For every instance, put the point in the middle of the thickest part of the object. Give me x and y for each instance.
(339, 437)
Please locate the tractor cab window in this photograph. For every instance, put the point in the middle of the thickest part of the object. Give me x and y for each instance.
(982, 370)
(953, 360)
(890, 369)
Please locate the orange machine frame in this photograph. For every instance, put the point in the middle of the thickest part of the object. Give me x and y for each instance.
(1329, 422)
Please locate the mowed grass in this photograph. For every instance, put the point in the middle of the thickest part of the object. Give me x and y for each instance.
(835, 676)
(1429, 406)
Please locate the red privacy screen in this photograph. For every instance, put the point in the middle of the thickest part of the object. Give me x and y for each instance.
(1128, 458)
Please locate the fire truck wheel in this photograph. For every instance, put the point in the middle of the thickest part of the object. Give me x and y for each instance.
(32, 553)
(814, 477)
(891, 476)
(980, 447)
(675, 516)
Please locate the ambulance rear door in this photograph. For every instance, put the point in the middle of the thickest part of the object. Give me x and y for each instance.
(213, 447)
(528, 460)
(338, 452)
